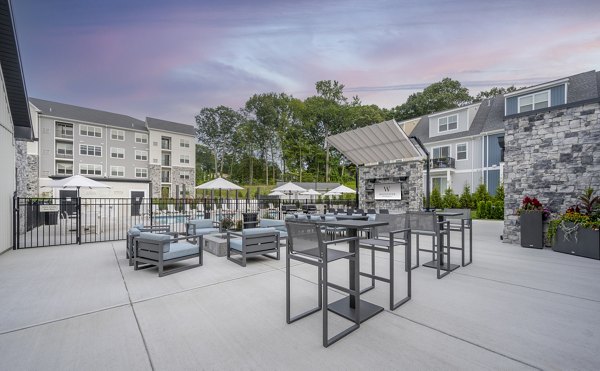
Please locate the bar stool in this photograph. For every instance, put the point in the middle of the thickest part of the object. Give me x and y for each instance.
(386, 239)
(425, 223)
(461, 223)
(306, 245)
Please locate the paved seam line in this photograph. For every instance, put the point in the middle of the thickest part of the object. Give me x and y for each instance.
(63, 319)
(463, 340)
(133, 310)
(527, 287)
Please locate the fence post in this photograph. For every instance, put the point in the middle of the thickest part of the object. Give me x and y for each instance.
(78, 223)
(16, 221)
(151, 210)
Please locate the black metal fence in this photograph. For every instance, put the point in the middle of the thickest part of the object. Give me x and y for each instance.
(63, 221)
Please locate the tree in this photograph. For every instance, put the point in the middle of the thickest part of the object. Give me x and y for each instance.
(481, 194)
(450, 199)
(215, 129)
(466, 199)
(435, 199)
(438, 96)
(204, 163)
(493, 92)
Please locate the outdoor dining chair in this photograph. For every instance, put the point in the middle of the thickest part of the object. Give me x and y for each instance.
(384, 211)
(461, 223)
(385, 239)
(425, 223)
(306, 245)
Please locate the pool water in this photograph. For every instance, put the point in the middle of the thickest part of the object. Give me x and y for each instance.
(168, 219)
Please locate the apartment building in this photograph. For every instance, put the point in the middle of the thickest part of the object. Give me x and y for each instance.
(464, 146)
(172, 165)
(109, 147)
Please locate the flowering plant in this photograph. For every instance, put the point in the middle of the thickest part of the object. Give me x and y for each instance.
(584, 214)
(533, 204)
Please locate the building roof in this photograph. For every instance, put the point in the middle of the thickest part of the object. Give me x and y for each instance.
(68, 111)
(13, 74)
(163, 125)
(494, 119)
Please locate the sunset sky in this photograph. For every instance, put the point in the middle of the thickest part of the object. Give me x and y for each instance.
(169, 59)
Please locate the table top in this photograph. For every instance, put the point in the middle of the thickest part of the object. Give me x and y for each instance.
(356, 224)
(351, 217)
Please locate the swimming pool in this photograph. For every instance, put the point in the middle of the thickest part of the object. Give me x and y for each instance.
(169, 219)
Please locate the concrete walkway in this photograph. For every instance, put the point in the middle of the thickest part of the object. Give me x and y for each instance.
(83, 307)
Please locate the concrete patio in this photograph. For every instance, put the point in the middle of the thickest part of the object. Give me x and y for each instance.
(83, 307)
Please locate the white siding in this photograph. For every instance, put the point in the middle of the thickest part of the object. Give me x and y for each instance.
(7, 169)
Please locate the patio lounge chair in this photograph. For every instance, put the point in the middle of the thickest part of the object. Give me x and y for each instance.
(253, 242)
(385, 239)
(279, 225)
(306, 245)
(162, 249)
(201, 227)
(135, 231)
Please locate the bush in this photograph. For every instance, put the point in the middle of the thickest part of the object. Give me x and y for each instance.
(466, 199)
(498, 210)
(436, 199)
(451, 200)
(490, 210)
(500, 193)
(481, 194)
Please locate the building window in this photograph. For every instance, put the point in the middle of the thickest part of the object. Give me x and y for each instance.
(534, 101)
(87, 150)
(141, 155)
(448, 123)
(64, 168)
(184, 159)
(64, 130)
(117, 152)
(117, 134)
(90, 169)
(165, 159)
(64, 150)
(141, 172)
(117, 171)
(441, 152)
(461, 151)
(440, 184)
(165, 176)
(90, 131)
(141, 138)
(184, 143)
(185, 174)
(165, 143)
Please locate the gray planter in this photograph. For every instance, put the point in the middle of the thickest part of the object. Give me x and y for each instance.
(584, 242)
(532, 231)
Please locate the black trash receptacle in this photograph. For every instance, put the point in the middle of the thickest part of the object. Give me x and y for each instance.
(250, 220)
(51, 218)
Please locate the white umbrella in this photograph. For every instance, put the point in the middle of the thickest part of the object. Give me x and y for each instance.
(290, 188)
(78, 181)
(219, 183)
(342, 189)
(276, 193)
(331, 193)
(311, 192)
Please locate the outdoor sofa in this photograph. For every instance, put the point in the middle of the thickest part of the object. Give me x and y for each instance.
(253, 242)
(155, 249)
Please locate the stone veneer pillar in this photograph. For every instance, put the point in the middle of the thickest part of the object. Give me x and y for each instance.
(553, 156)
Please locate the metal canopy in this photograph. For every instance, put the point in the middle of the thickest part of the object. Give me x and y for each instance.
(383, 142)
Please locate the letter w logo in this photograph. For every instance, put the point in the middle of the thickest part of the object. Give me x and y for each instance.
(386, 188)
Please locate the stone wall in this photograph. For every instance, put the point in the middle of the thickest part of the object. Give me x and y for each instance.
(154, 177)
(553, 156)
(412, 187)
(189, 183)
(27, 171)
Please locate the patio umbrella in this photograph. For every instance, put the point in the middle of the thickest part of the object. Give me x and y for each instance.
(289, 187)
(342, 189)
(311, 192)
(219, 183)
(78, 181)
(277, 193)
(332, 193)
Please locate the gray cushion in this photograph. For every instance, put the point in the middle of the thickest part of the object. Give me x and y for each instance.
(180, 249)
(301, 216)
(203, 231)
(371, 217)
(133, 232)
(330, 218)
(251, 231)
(138, 226)
(236, 244)
(282, 234)
(202, 223)
(266, 223)
(157, 237)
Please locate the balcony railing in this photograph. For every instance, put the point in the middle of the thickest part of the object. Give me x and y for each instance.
(443, 163)
(65, 155)
(165, 179)
(64, 134)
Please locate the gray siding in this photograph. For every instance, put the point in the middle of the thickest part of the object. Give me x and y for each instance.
(512, 105)
(492, 181)
(557, 95)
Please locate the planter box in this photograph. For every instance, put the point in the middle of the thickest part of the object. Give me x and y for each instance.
(532, 230)
(587, 243)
